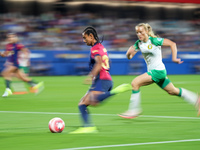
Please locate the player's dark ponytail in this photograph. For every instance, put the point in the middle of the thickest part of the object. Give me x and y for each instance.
(92, 30)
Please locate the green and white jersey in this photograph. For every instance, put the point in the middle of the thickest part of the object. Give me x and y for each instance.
(151, 51)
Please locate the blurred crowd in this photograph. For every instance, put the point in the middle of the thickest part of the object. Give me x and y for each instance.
(52, 31)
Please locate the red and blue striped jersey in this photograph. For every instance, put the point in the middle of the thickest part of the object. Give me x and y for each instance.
(99, 50)
(13, 50)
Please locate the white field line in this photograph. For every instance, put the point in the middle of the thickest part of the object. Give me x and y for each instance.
(186, 82)
(58, 113)
(131, 144)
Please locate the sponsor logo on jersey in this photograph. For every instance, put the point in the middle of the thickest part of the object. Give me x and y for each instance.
(94, 51)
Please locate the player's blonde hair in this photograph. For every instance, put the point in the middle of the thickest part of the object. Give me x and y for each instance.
(148, 28)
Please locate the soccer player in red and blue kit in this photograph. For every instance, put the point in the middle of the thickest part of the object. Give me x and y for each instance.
(12, 65)
(100, 79)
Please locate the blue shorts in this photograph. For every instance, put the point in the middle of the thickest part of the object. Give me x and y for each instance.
(101, 85)
(16, 65)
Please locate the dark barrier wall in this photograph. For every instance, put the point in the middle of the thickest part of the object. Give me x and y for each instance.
(76, 63)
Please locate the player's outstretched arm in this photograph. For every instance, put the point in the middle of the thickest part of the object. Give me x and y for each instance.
(131, 52)
(173, 47)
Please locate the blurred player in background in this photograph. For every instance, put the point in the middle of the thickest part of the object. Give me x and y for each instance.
(24, 61)
(100, 79)
(150, 46)
(17, 85)
(13, 48)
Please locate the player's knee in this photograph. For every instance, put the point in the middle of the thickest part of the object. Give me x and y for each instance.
(93, 100)
(135, 85)
(84, 102)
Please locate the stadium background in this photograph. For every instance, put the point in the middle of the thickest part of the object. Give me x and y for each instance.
(52, 29)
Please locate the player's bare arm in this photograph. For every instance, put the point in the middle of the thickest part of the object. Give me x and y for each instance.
(131, 52)
(173, 47)
(4, 54)
(95, 71)
(97, 67)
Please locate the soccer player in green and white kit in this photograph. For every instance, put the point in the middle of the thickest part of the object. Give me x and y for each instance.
(150, 46)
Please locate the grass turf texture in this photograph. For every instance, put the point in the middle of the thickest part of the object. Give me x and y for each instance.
(20, 130)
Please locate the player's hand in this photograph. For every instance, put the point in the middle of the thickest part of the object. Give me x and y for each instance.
(131, 52)
(178, 61)
(88, 80)
(2, 54)
(129, 56)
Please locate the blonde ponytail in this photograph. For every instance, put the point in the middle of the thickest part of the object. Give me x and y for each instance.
(148, 28)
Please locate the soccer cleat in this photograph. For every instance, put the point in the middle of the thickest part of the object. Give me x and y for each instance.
(38, 87)
(83, 130)
(7, 92)
(31, 90)
(40, 84)
(130, 114)
(121, 88)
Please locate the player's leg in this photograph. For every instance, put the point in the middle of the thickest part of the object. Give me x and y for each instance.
(134, 109)
(83, 104)
(185, 94)
(7, 74)
(121, 88)
(22, 76)
(98, 88)
(106, 87)
(18, 85)
(87, 127)
(35, 86)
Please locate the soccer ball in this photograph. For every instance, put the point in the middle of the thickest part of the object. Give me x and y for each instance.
(56, 125)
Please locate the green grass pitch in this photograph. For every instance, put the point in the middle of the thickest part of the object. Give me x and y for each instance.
(24, 118)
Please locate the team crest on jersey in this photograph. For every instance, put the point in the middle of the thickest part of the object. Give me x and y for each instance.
(150, 46)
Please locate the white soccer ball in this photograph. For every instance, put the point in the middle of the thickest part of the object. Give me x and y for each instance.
(56, 125)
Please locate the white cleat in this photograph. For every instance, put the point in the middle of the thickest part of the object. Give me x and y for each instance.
(7, 92)
(130, 114)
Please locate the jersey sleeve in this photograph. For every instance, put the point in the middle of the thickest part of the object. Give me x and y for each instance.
(95, 52)
(157, 41)
(7, 47)
(136, 45)
(20, 46)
